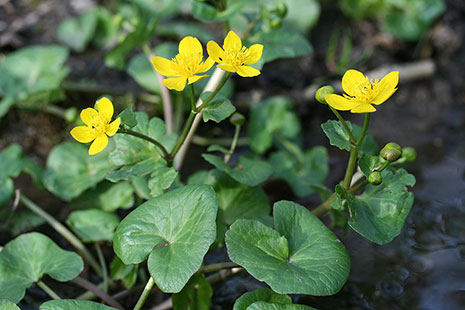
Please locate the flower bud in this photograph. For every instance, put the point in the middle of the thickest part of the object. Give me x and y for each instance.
(409, 153)
(237, 119)
(71, 114)
(276, 23)
(281, 9)
(375, 178)
(391, 152)
(322, 92)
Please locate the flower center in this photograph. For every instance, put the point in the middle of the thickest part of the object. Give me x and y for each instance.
(235, 57)
(187, 64)
(98, 126)
(366, 91)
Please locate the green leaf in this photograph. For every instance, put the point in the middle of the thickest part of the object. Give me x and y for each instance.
(31, 71)
(302, 14)
(71, 304)
(303, 178)
(70, 170)
(196, 295)
(23, 221)
(338, 137)
(25, 259)
(13, 161)
(161, 178)
(128, 117)
(249, 171)
(106, 196)
(207, 13)
(280, 43)
(261, 294)
(5, 304)
(218, 109)
(126, 273)
(181, 29)
(380, 212)
(218, 148)
(76, 32)
(6, 191)
(318, 263)
(270, 116)
(93, 224)
(369, 163)
(175, 229)
(261, 305)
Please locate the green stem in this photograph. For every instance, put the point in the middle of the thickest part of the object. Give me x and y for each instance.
(54, 110)
(213, 94)
(62, 230)
(354, 153)
(101, 259)
(146, 138)
(343, 122)
(182, 137)
(292, 148)
(218, 266)
(48, 290)
(145, 294)
(227, 157)
(192, 96)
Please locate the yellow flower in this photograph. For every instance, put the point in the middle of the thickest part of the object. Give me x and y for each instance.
(184, 66)
(234, 57)
(362, 93)
(98, 126)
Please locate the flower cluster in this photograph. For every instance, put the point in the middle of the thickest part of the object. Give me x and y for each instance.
(188, 65)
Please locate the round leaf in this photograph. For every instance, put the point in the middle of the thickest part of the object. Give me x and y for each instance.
(27, 258)
(261, 294)
(174, 230)
(301, 256)
(93, 224)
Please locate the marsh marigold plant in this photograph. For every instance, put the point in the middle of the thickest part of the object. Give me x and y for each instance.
(97, 126)
(234, 57)
(362, 93)
(185, 67)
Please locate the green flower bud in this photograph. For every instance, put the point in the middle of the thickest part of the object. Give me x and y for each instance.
(409, 153)
(276, 23)
(375, 178)
(391, 152)
(237, 119)
(71, 114)
(322, 92)
(281, 9)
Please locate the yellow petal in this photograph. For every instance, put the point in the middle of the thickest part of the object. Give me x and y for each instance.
(89, 115)
(206, 65)
(215, 51)
(387, 87)
(350, 81)
(83, 134)
(112, 128)
(105, 109)
(253, 54)
(190, 45)
(99, 144)
(363, 108)
(175, 83)
(246, 71)
(228, 67)
(340, 103)
(232, 42)
(164, 66)
(196, 78)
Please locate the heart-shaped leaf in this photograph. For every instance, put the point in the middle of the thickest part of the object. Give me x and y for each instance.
(27, 258)
(93, 224)
(71, 304)
(261, 294)
(218, 109)
(338, 137)
(380, 212)
(317, 263)
(262, 305)
(5, 304)
(249, 171)
(174, 230)
(302, 177)
(70, 170)
(196, 295)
